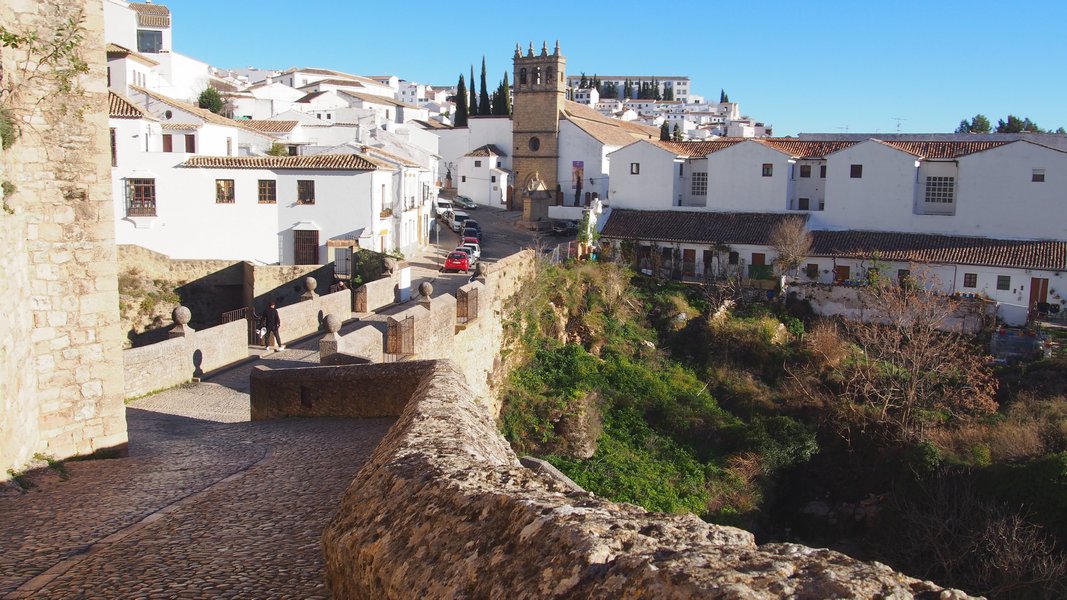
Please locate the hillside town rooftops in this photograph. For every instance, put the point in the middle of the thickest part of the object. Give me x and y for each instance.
(608, 131)
(269, 126)
(328, 162)
(202, 113)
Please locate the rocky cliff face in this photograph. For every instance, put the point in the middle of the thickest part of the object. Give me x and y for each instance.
(444, 509)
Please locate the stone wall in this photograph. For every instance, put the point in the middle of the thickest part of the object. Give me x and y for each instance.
(282, 283)
(366, 342)
(377, 294)
(359, 391)
(305, 318)
(61, 381)
(444, 510)
(178, 360)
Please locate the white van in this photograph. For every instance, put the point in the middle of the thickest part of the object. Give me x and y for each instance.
(456, 219)
(442, 206)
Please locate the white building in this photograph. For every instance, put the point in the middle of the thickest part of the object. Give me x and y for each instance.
(482, 177)
(678, 84)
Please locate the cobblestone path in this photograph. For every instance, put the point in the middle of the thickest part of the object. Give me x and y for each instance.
(207, 505)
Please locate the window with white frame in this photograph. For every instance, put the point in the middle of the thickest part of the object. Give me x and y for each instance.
(940, 190)
(700, 184)
(1038, 176)
(635, 168)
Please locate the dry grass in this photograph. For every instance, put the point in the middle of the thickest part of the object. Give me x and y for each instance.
(825, 344)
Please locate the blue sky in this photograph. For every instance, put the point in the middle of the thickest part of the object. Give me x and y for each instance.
(817, 66)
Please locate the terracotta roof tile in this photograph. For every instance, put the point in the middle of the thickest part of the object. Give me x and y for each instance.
(121, 51)
(202, 113)
(946, 249)
(327, 162)
(311, 96)
(120, 107)
(608, 131)
(268, 126)
(368, 97)
(694, 227)
(942, 149)
(179, 126)
(389, 156)
(805, 148)
(151, 15)
(486, 150)
(691, 149)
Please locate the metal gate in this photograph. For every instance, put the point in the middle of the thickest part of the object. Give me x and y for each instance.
(467, 306)
(400, 339)
(247, 315)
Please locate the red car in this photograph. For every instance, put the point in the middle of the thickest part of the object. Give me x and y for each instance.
(457, 261)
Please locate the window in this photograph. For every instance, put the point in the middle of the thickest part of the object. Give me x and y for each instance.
(149, 41)
(842, 273)
(1003, 282)
(224, 191)
(463, 179)
(700, 184)
(855, 171)
(1038, 176)
(812, 270)
(168, 142)
(822, 171)
(734, 258)
(305, 193)
(140, 197)
(477, 163)
(940, 190)
(190, 143)
(306, 247)
(522, 76)
(803, 203)
(805, 171)
(492, 179)
(635, 168)
(768, 169)
(970, 280)
(114, 156)
(268, 191)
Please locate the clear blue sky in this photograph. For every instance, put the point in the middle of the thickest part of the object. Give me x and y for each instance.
(816, 66)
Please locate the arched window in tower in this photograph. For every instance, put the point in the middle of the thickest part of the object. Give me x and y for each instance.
(522, 76)
(548, 74)
(537, 76)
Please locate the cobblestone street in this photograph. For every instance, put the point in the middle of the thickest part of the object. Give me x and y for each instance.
(207, 505)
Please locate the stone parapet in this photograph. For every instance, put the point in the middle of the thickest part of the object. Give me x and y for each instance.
(444, 510)
(179, 359)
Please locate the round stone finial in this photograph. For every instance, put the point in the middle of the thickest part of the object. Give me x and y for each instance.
(426, 289)
(332, 323)
(311, 283)
(181, 315)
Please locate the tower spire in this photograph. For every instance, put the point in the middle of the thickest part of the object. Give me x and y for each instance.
(556, 53)
(544, 48)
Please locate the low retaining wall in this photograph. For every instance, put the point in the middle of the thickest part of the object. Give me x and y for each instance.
(444, 510)
(177, 360)
(305, 318)
(361, 391)
(858, 304)
(380, 293)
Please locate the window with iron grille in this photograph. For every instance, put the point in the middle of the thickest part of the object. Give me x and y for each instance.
(855, 171)
(700, 184)
(305, 191)
(1003, 282)
(768, 169)
(268, 191)
(970, 280)
(140, 197)
(114, 155)
(940, 190)
(1038, 176)
(224, 193)
(805, 171)
(306, 251)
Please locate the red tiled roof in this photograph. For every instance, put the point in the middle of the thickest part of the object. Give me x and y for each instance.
(121, 51)
(389, 156)
(606, 130)
(694, 227)
(120, 107)
(309, 97)
(201, 113)
(691, 149)
(805, 148)
(151, 15)
(329, 162)
(946, 249)
(930, 149)
(269, 126)
(486, 150)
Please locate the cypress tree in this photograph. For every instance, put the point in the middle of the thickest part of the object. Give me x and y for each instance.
(471, 97)
(655, 91)
(505, 96)
(461, 103)
(664, 132)
(484, 108)
(677, 133)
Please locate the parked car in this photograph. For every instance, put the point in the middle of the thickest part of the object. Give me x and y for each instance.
(474, 233)
(473, 224)
(569, 227)
(442, 207)
(470, 238)
(457, 261)
(475, 248)
(471, 259)
(456, 220)
(464, 202)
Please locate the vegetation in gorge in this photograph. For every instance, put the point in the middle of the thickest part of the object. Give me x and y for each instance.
(878, 438)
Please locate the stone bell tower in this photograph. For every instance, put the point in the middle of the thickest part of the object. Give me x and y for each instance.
(540, 84)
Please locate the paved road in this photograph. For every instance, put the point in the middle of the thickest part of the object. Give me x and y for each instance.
(207, 505)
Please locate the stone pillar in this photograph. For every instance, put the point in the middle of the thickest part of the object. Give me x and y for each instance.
(331, 342)
(310, 283)
(181, 317)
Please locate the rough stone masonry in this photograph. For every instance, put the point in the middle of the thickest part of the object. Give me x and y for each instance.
(60, 347)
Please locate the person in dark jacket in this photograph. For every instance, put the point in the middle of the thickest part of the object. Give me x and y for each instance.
(272, 320)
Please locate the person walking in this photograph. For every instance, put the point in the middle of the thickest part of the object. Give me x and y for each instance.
(273, 321)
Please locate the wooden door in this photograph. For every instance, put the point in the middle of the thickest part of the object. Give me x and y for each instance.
(689, 260)
(841, 273)
(759, 259)
(306, 247)
(1038, 292)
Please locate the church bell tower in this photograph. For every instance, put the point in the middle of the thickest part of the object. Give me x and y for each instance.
(540, 84)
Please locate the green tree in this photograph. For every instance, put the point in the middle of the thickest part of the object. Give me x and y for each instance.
(677, 135)
(1061, 130)
(1016, 125)
(583, 82)
(596, 83)
(471, 97)
(501, 99)
(668, 92)
(627, 90)
(278, 149)
(211, 100)
(723, 97)
(611, 90)
(484, 108)
(461, 103)
(978, 124)
(665, 132)
(655, 90)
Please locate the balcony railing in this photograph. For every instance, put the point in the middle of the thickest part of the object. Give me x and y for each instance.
(141, 211)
